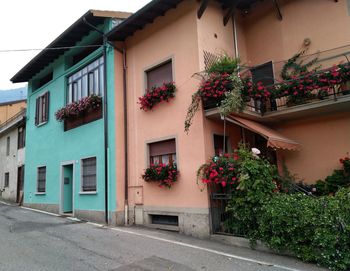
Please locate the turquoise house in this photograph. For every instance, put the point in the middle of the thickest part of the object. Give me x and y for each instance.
(68, 162)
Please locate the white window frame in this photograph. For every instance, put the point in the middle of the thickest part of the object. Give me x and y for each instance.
(82, 192)
(37, 180)
(155, 65)
(147, 149)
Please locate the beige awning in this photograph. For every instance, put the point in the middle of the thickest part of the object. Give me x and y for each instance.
(274, 139)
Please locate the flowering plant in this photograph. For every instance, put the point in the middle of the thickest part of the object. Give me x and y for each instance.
(165, 174)
(301, 87)
(220, 171)
(157, 95)
(215, 86)
(77, 108)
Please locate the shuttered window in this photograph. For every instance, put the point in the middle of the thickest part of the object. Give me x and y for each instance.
(42, 109)
(41, 185)
(159, 75)
(21, 137)
(7, 179)
(89, 174)
(163, 152)
(263, 73)
(8, 142)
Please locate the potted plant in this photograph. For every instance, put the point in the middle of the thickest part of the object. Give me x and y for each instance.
(164, 174)
(156, 95)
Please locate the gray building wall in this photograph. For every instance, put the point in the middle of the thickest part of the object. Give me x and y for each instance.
(10, 163)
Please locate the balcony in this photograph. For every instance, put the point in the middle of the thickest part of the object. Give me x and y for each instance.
(311, 93)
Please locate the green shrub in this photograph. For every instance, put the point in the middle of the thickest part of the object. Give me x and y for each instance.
(313, 229)
(256, 185)
(340, 178)
(225, 64)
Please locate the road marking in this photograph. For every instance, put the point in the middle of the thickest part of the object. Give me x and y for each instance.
(95, 224)
(172, 242)
(39, 211)
(203, 249)
(74, 219)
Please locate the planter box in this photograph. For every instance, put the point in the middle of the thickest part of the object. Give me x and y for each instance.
(209, 103)
(87, 117)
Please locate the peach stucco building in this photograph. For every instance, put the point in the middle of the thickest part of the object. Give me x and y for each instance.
(169, 40)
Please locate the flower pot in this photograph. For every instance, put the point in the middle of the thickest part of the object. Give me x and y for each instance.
(93, 114)
(210, 102)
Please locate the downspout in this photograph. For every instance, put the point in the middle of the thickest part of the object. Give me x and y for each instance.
(126, 155)
(105, 119)
(105, 42)
(105, 113)
(235, 37)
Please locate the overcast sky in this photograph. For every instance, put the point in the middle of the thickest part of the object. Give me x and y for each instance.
(26, 24)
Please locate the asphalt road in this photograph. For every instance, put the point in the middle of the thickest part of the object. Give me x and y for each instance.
(35, 241)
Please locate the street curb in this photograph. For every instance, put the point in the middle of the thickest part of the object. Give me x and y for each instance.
(245, 243)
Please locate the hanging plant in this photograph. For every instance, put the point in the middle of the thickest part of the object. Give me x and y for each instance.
(157, 95)
(165, 175)
(233, 102)
(222, 90)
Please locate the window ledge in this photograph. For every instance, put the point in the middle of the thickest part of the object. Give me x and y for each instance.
(88, 193)
(41, 124)
(40, 193)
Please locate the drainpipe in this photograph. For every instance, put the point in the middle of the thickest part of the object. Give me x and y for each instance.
(105, 119)
(126, 156)
(105, 42)
(105, 113)
(235, 37)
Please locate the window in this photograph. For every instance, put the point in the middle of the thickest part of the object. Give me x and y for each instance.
(89, 174)
(263, 73)
(8, 141)
(219, 145)
(42, 109)
(21, 137)
(169, 220)
(163, 152)
(160, 74)
(7, 179)
(41, 180)
(86, 81)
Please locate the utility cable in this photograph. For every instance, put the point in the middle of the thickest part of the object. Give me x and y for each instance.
(49, 48)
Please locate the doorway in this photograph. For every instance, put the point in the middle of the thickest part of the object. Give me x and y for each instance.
(20, 183)
(67, 189)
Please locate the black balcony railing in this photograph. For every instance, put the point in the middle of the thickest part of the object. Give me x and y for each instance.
(264, 105)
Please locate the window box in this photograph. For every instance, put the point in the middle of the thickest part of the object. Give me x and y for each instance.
(84, 118)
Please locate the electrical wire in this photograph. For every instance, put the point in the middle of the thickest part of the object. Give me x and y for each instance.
(49, 48)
